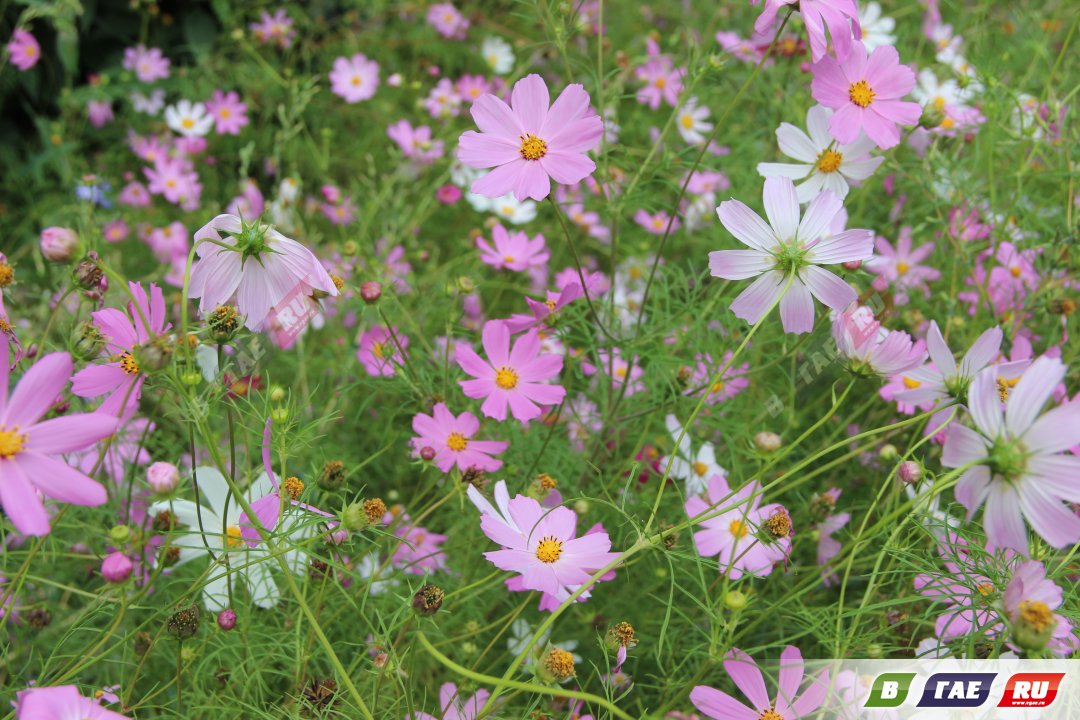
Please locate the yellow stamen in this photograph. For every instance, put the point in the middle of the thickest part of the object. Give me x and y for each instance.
(129, 364)
(11, 441)
(506, 378)
(549, 550)
(861, 93)
(902, 268)
(700, 469)
(1036, 614)
(532, 147)
(457, 442)
(829, 161)
(687, 121)
(356, 80)
(233, 538)
(293, 486)
(187, 123)
(911, 383)
(1005, 385)
(717, 386)
(738, 528)
(770, 714)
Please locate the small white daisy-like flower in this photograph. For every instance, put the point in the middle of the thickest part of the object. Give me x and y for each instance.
(498, 54)
(691, 122)
(189, 119)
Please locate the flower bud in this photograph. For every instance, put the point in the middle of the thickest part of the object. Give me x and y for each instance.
(116, 567)
(226, 619)
(931, 117)
(350, 247)
(223, 323)
(277, 393)
(87, 275)
(155, 355)
(280, 414)
(767, 442)
(163, 477)
(333, 475)
(428, 600)
(620, 635)
(852, 265)
(119, 534)
(183, 623)
(888, 451)
(58, 244)
(735, 600)
(427, 453)
(354, 518)
(88, 341)
(370, 292)
(909, 472)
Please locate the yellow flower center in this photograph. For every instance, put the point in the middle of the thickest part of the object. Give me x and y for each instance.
(11, 441)
(506, 378)
(560, 663)
(829, 161)
(939, 103)
(861, 93)
(985, 589)
(532, 147)
(7, 274)
(1005, 385)
(770, 714)
(550, 305)
(700, 469)
(457, 442)
(738, 528)
(902, 268)
(549, 549)
(129, 364)
(779, 524)
(233, 538)
(1015, 271)
(356, 80)
(717, 386)
(1036, 614)
(911, 383)
(377, 349)
(293, 486)
(687, 121)
(661, 82)
(225, 113)
(508, 258)
(948, 123)
(187, 123)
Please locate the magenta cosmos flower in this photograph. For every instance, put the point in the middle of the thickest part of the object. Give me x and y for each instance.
(148, 64)
(228, 111)
(510, 376)
(257, 264)
(354, 79)
(840, 16)
(744, 672)
(27, 444)
(788, 245)
(865, 93)
(379, 350)
(513, 252)
(453, 706)
(743, 534)
(60, 703)
(23, 50)
(540, 543)
(1018, 462)
(529, 144)
(451, 439)
(122, 377)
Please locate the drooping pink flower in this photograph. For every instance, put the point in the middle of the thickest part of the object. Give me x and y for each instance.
(448, 21)
(62, 702)
(28, 444)
(865, 92)
(540, 544)
(744, 672)
(528, 144)
(514, 377)
(276, 29)
(544, 314)
(739, 536)
(444, 100)
(148, 64)
(354, 79)
(454, 706)
(451, 439)
(841, 17)
(378, 350)
(513, 252)
(868, 347)
(788, 245)
(125, 335)
(23, 50)
(228, 111)
(257, 264)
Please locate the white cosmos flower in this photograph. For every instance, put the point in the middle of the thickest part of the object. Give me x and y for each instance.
(148, 105)
(507, 207)
(877, 29)
(822, 164)
(498, 54)
(691, 122)
(931, 91)
(696, 469)
(189, 119)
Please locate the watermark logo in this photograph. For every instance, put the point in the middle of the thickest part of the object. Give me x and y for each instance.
(889, 690)
(957, 690)
(1031, 690)
(289, 317)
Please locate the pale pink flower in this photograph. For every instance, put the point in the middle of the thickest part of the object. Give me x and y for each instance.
(378, 351)
(448, 21)
(527, 143)
(656, 223)
(965, 589)
(148, 64)
(228, 111)
(942, 378)
(661, 81)
(514, 377)
(355, 78)
(865, 93)
(415, 143)
(788, 245)
(900, 268)
(454, 706)
(23, 50)
(513, 252)
(1030, 591)
(62, 702)
(744, 672)
(840, 16)
(276, 28)
(452, 439)
(868, 347)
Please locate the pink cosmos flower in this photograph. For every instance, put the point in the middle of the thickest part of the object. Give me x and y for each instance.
(870, 348)
(656, 223)
(788, 245)
(174, 179)
(739, 535)
(620, 370)
(527, 143)
(148, 64)
(449, 22)
(115, 231)
(99, 112)
(730, 384)
(513, 252)
(513, 377)
(134, 194)
(746, 675)
(471, 87)
(355, 78)
(415, 143)
(540, 543)
(444, 100)
(23, 50)
(28, 444)
(840, 16)
(901, 268)
(453, 706)
(451, 439)
(229, 113)
(276, 29)
(828, 546)
(339, 213)
(942, 378)
(662, 82)
(1029, 600)
(865, 93)
(62, 702)
(1019, 467)
(125, 334)
(420, 550)
(544, 314)
(257, 264)
(379, 352)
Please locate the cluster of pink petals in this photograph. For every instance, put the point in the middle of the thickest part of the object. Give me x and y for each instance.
(378, 351)
(841, 17)
(529, 144)
(23, 50)
(354, 79)
(228, 111)
(415, 143)
(448, 21)
(789, 704)
(148, 64)
(62, 702)
(452, 440)
(862, 340)
(513, 252)
(276, 29)
(544, 313)
(454, 706)
(541, 544)
(510, 377)
(28, 444)
(901, 267)
(965, 590)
